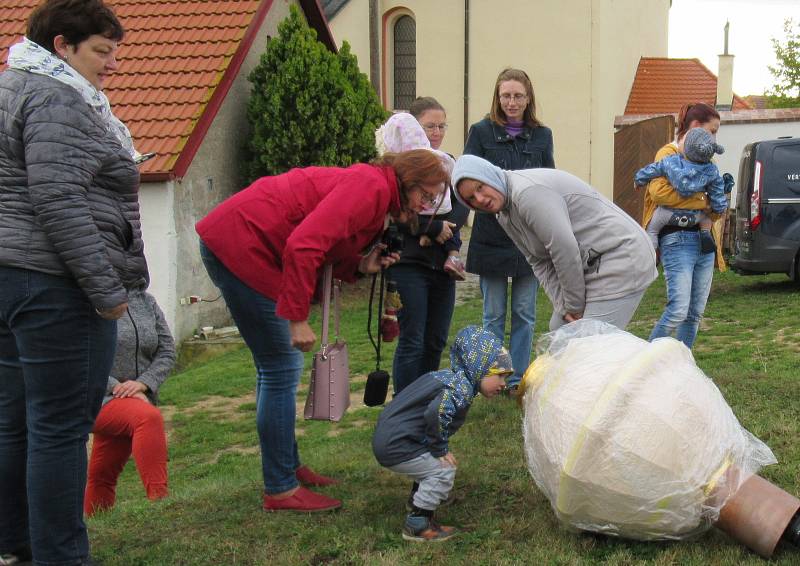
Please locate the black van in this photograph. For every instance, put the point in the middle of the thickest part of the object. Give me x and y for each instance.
(766, 216)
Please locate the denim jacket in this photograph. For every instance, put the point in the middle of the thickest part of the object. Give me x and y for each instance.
(491, 251)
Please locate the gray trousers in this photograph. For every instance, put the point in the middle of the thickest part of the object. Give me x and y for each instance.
(618, 312)
(435, 479)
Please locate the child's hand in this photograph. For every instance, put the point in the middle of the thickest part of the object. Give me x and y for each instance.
(449, 459)
(446, 233)
(727, 180)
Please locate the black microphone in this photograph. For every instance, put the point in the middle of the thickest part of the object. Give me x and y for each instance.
(377, 388)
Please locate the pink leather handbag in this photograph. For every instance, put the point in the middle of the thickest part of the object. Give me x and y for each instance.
(329, 389)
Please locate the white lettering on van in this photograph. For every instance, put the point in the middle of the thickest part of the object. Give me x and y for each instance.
(793, 176)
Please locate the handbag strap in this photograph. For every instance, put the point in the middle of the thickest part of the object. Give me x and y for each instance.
(337, 287)
(327, 278)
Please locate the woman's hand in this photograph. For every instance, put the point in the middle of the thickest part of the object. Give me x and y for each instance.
(303, 338)
(573, 316)
(373, 262)
(112, 313)
(446, 233)
(130, 388)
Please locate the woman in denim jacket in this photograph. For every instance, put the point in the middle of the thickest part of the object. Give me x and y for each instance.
(512, 138)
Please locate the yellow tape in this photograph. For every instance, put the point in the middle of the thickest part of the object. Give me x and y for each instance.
(712, 483)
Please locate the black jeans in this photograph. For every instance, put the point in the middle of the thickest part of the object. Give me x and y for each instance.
(428, 298)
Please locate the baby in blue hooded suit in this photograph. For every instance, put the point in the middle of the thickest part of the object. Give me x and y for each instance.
(689, 172)
(413, 431)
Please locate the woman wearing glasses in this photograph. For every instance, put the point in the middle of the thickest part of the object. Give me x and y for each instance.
(432, 117)
(429, 265)
(511, 137)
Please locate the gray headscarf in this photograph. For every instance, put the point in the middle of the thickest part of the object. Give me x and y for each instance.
(474, 167)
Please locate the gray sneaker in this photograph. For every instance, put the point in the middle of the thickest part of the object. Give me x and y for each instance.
(425, 529)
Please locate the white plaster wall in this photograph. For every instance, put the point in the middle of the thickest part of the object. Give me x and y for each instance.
(733, 137)
(622, 32)
(551, 41)
(156, 205)
(213, 175)
(352, 24)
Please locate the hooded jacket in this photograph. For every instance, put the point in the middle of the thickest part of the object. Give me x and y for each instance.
(424, 415)
(581, 246)
(491, 251)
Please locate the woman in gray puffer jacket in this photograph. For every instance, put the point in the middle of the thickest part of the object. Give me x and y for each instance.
(70, 247)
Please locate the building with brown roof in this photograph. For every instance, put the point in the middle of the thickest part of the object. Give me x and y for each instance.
(663, 85)
(182, 90)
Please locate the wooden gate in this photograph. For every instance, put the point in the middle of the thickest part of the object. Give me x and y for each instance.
(634, 147)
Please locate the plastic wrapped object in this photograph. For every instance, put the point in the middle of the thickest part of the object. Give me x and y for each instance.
(630, 438)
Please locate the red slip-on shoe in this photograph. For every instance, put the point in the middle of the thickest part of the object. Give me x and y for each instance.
(310, 478)
(303, 501)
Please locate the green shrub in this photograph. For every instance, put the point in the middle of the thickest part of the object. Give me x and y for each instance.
(309, 106)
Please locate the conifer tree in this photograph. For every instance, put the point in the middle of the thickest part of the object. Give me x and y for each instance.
(309, 106)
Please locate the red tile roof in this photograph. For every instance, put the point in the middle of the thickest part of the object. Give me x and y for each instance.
(176, 64)
(664, 85)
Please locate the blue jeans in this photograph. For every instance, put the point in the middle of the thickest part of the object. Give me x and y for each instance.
(55, 357)
(523, 316)
(278, 366)
(688, 274)
(428, 297)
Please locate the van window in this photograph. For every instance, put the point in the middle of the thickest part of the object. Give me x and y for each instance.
(744, 183)
(785, 172)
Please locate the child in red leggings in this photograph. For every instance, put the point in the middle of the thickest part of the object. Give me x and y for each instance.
(129, 422)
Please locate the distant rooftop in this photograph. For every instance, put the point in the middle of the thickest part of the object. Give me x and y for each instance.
(663, 85)
(175, 55)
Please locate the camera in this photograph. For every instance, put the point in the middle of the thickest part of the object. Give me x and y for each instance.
(392, 239)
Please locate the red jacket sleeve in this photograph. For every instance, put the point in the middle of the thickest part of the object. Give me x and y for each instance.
(342, 220)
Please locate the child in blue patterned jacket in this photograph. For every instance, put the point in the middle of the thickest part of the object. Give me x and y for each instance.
(413, 431)
(689, 172)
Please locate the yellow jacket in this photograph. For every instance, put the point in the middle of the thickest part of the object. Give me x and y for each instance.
(660, 193)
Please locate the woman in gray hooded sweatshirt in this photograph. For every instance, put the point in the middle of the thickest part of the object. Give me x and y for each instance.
(592, 259)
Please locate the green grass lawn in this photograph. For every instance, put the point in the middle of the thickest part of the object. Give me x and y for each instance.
(749, 345)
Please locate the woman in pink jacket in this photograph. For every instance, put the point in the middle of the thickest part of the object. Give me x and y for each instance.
(264, 248)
